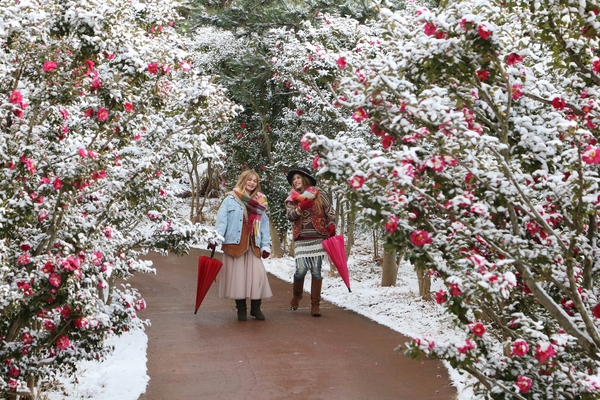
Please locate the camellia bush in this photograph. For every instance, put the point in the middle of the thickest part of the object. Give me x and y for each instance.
(98, 100)
(487, 174)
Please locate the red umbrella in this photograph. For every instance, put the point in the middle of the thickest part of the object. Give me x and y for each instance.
(208, 268)
(334, 246)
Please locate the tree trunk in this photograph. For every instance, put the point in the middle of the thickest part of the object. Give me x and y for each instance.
(424, 284)
(192, 188)
(375, 245)
(389, 267)
(351, 217)
(198, 189)
(276, 251)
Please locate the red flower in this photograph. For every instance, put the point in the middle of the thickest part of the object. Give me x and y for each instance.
(153, 68)
(315, 163)
(128, 107)
(54, 280)
(392, 224)
(357, 181)
(520, 348)
(596, 66)
(360, 114)
(478, 329)
(14, 371)
(514, 58)
(484, 32)
(591, 155)
(420, 238)
(89, 112)
(429, 29)
(441, 296)
(102, 114)
(544, 351)
(387, 141)
(81, 322)
(299, 112)
(517, 91)
(49, 66)
(524, 384)
(62, 342)
(558, 103)
(15, 97)
(57, 184)
(341, 62)
(596, 311)
(49, 325)
(483, 74)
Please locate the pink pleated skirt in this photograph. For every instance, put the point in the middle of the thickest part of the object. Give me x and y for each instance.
(244, 277)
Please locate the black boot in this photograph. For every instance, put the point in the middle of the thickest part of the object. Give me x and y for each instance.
(255, 310)
(241, 309)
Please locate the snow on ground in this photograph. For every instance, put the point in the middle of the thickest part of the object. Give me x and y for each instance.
(121, 376)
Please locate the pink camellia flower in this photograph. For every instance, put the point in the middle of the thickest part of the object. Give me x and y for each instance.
(109, 56)
(26, 338)
(436, 163)
(517, 91)
(57, 184)
(514, 58)
(483, 74)
(478, 329)
(42, 215)
(357, 181)
(25, 246)
(81, 323)
(15, 97)
(108, 232)
(544, 351)
(596, 311)
(102, 114)
(48, 268)
(469, 345)
(66, 311)
(558, 103)
(360, 114)
(392, 224)
(596, 66)
(315, 163)
(591, 155)
(97, 258)
(96, 85)
(520, 348)
(24, 259)
(49, 325)
(55, 280)
(420, 238)
(83, 153)
(140, 305)
(49, 66)
(14, 371)
(305, 143)
(96, 175)
(153, 68)
(13, 384)
(299, 112)
(429, 29)
(17, 112)
(524, 384)
(483, 32)
(387, 141)
(441, 296)
(62, 342)
(64, 113)
(341, 62)
(89, 112)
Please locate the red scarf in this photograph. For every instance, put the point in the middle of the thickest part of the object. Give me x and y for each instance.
(256, 206)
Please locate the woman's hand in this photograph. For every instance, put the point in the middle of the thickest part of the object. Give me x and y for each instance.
(331, 230)
(306, 204)
(265, 254)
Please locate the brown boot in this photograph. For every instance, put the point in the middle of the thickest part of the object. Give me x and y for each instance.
(297, 291)
(315, 297)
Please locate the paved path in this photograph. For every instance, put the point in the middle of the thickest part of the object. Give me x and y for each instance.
(290, 355)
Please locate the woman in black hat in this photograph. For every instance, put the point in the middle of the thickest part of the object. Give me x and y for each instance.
(313, 221)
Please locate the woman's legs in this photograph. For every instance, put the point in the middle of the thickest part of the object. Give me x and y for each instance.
(315, 287)
(298, 285)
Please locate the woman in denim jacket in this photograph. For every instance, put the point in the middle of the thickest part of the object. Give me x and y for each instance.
(243, 228)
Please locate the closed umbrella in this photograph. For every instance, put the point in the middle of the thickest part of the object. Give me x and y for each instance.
(334, 246)
(208, 268)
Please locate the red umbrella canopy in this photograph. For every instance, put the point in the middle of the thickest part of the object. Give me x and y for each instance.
(334, 246)
(208, 268)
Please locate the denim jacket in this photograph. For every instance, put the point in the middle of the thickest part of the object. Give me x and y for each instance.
(230, 218)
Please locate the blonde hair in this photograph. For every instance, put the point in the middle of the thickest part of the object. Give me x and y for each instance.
(244, 177)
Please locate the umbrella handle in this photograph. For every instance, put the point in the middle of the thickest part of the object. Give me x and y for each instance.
(212, 255)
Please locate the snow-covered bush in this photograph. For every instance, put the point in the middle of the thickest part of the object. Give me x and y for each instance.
(97, 100)
(487, 173)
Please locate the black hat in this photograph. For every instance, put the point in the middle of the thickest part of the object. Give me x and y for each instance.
(301, 171)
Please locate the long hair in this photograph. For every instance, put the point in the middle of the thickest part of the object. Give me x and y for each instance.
(244, 177)
(318, 200)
